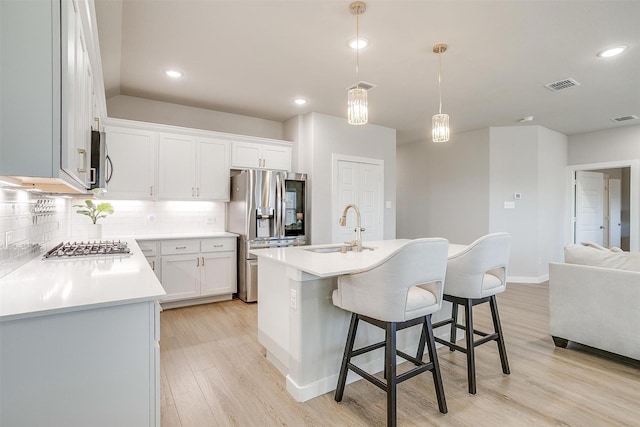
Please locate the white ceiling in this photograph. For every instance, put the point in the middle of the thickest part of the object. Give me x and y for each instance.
(253, 57)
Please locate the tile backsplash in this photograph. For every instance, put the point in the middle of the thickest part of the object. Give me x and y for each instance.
(138, 217)
(32, 223)
(29, 223)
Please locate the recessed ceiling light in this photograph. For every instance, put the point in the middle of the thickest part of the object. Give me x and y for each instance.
(526, 119)
(300, 101)
(359, 43)
(173, 74)
(612, 52)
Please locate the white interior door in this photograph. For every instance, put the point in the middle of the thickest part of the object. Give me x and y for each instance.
(589, 207)
(615, 203)
(360, 183)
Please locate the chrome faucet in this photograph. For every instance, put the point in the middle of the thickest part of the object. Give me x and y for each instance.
(357, 243)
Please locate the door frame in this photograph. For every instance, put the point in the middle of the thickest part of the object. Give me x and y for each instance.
(634, 196)
(335, 158)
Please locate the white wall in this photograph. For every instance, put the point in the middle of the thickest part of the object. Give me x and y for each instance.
(443, 188)
(553, 207)
(457, 190)
(145, 110)
(323, 135)
(530, 160)
(617, 147)
(514, 168)
(608, 145)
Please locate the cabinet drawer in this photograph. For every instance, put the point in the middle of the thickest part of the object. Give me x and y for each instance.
(148, 248)
(218, 245)
(170, 247)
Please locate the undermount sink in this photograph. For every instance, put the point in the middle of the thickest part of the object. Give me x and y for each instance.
(334, 249)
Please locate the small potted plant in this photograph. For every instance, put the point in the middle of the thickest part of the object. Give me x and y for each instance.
(95, 211)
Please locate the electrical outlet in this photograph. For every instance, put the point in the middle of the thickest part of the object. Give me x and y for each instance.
(509, 205)
(293, 299)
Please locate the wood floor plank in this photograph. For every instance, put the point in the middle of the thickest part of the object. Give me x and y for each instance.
(214, 372)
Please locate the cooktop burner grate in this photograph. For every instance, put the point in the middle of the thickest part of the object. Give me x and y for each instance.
(102, 247)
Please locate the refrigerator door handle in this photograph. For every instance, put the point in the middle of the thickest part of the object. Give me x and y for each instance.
(278, 212)
(283, 204)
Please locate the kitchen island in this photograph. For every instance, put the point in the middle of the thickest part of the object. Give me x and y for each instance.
(79, 342)
(302, 331)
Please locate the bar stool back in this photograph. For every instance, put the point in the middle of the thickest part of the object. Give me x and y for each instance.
(401, 291)
(475, 276)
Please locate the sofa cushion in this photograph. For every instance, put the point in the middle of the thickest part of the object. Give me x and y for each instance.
(596, 257)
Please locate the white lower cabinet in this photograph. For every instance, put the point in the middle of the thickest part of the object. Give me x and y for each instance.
(97, 367)
(197, 268)
(181, 278)
(150, 251)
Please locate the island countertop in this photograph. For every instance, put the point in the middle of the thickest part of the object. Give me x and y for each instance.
(48, 286)
(320, 264)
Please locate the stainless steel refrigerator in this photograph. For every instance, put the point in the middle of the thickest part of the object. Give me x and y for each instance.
(267, 209)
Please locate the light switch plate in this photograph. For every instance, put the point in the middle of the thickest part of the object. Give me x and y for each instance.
(293, 299)
(509, 205)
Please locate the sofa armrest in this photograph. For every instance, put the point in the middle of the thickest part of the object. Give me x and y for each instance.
(598, 307)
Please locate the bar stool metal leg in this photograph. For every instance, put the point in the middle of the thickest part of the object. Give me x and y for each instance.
(454, 325)
(346, 358)
(433, 356)
(390, 363)
(500, 340)
(471, 362)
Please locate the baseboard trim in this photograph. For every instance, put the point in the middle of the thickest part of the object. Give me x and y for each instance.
(526, 279)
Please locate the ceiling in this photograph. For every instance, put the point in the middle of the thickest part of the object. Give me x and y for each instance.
(254, 57)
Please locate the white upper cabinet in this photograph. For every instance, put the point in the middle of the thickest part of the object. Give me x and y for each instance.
(251, 155)
(77, 91)
(48, 88)
(212, 169)
(193, 168)
(131, 167)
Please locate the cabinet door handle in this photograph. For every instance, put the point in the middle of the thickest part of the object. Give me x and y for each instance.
(203, 261)
(198, 191)
(146, 250)
(153, 265)
(193, 192)
(181, 247)
(151, 190)
(218, 246)
(82, 152)
(197, 261)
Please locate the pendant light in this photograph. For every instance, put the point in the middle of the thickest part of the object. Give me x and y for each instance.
(357, 106)
(440, 122)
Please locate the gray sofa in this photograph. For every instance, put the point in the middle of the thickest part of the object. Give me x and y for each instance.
(594, 299)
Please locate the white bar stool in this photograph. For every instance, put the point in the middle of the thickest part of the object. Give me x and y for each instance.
(475, 276)
(401, 291)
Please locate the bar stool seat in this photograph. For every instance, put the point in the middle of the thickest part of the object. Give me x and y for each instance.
(475, 276)
(401, 291)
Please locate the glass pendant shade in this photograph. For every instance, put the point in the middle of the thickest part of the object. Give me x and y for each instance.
(440, 127)
(357, 108)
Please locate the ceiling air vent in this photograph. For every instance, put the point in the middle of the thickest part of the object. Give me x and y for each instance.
(363, 85)
(625, 118)
(561, 85)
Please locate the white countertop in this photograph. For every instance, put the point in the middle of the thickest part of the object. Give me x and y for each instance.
(49, 286)
(170, 236)
(335, 264)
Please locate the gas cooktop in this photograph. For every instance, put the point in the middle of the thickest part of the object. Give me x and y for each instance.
(97, 247)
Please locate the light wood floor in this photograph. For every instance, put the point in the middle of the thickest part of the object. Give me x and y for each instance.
(214, 373)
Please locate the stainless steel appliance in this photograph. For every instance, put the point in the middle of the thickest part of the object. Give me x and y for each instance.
(267, 209)
(75, 249)
(101, 166)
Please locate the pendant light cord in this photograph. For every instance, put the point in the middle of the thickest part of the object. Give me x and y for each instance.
(440, 78)
(358, 47)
